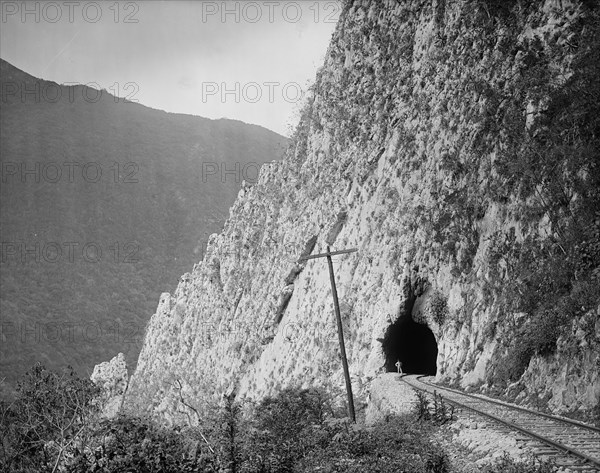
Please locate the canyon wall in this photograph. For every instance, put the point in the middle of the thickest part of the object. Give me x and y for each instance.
(454, 144)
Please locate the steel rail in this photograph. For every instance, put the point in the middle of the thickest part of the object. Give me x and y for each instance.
(556, 445)
(517, 408)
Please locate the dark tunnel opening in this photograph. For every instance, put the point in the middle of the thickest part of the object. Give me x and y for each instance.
(409, 342)
(413, 345)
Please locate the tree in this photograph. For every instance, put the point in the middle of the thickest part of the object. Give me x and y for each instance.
(50, 412)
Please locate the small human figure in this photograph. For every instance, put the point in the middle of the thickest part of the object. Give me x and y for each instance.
(399, 366)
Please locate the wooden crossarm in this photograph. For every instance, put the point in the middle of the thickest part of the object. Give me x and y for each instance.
(333, 253)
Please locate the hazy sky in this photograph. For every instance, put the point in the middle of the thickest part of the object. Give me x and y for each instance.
(237, 59)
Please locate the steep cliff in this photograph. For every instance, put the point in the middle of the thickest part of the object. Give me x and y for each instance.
(455, 144)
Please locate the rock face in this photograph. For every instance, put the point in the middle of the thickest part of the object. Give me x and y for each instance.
(439, 140)
(112, 377)
(574, 369)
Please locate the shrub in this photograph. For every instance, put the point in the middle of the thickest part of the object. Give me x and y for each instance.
(388, 447)
(439, 412)
(297, 431)
(50, 412)
(438, 307)
(135, 444)
(508, 465)
(53, 425)
(283, 429)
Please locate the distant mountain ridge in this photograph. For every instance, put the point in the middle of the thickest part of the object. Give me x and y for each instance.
(104, 203)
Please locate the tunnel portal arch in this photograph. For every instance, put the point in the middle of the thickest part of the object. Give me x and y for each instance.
(412, 344)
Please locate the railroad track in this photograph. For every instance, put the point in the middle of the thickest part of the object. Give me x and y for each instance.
(570, 444)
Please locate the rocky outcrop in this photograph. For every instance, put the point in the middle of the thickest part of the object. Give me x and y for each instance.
(418, 147)
(112, 377)
(389, 397)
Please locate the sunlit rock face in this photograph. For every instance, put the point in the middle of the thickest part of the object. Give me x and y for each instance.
(397, 154)
(112, 377)
(389, 397)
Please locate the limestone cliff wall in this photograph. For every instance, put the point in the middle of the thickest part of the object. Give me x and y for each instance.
(403, 151)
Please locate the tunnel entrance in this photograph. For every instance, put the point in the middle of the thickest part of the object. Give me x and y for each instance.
(409, 342)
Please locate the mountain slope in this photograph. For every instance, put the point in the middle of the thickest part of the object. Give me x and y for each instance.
(456, 144)
(104, 203)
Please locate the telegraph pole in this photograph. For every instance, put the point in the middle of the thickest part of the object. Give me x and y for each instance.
(338, 317)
